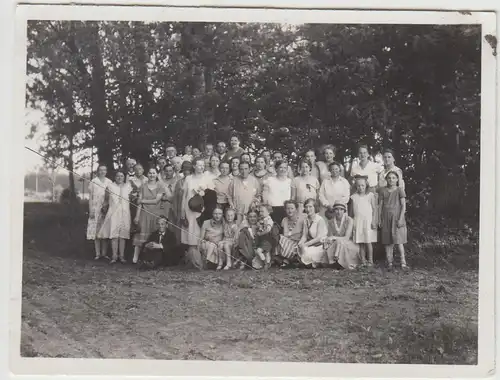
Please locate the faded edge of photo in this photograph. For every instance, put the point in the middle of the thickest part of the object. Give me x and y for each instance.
(120, 368)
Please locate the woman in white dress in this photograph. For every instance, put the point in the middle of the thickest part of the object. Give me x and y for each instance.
(194, 184)
(315, 231)
(97, 191)
(334, 189)
(116, 225)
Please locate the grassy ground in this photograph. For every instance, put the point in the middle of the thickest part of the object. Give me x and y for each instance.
(74, 307)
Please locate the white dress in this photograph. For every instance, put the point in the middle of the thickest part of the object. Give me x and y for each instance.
(117, 221)
(313, 229)
(190, 234)
(97, 190)
(363, 215)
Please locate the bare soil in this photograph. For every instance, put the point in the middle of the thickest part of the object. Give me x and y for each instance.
(75, 307)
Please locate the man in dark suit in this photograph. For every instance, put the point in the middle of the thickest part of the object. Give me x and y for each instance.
(160, 248)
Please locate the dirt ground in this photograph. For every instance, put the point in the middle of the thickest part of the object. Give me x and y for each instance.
(75, 307)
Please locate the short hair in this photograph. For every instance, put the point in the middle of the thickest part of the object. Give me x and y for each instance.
(310, 150)
(161, 158)
(388, 150)
(102, 165)
(252, 211)
(243, 163)
(162, 217)
(291, 202)
(395, 173)
(198, 159)
(330, 147)
(266, 206)
(139, 165)
(305, 162)
(119, 171)
(224, 163)
(234, 158)
(170, 146)
(277, 164)
(314, 203)
(229, 209)
(334, 163)
(235, 135)
(218, 208)
(365, 147)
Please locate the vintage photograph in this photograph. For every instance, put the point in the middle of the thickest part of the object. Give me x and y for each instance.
(252, 191)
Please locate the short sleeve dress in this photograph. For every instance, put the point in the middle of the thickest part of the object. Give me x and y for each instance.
(97, 189)
(149, 213)
(391, 209)
(117, 222)
(363, 216)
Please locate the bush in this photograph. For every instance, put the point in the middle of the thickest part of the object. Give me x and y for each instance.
(67, 196)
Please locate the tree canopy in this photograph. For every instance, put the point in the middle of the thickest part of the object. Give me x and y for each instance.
(129, 88)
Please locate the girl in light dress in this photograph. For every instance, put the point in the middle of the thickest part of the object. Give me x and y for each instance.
(211, 235)
(304, 186)
(228, 243)
(116, 225)
(364, 209)
(392, 204)
(97, 192)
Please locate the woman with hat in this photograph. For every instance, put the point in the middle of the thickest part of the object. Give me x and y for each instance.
(338, 245)
(192, 207)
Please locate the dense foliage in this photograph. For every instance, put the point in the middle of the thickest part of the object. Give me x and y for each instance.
(123, 87)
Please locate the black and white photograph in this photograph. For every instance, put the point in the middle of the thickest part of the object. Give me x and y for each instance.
(266, 190)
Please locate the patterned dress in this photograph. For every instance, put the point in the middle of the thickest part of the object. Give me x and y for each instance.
(292, 232)
(149, 213)
(97, 190)
(305, 188)
(117, 221)
(390, 212)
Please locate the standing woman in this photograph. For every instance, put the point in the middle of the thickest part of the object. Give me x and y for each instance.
(195, 184)
(244, 192)
(365, 168)
(148, 211)
(116, 225)
(161, 162)
(311, 158)
(334, 189)
(329, 158)
(186, 170)
(277, 190)
(235, 150)
(260, 171)
(97, 191)
(213, 169)
(315, 230)
(305, 186)
(235, 167)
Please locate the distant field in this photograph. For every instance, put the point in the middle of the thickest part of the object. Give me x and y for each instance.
(74, 307)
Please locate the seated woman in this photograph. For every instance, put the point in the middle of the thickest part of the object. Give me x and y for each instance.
(338, 245)
(293, 226)
(161, 247)
(212, 233)
(246, 239)
(315, 230)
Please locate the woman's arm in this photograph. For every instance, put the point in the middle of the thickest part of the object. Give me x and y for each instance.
(322, 233)
(202, 235)
(322, 194)
(401, 220)
(303, 238)
(294, 190)
(373, 202)
(230, 194)
(348, 230)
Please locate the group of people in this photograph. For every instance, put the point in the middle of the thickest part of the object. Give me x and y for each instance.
(223, 208)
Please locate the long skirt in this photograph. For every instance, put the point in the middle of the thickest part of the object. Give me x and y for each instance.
(314, 255)
(344, 252)
(147, 225)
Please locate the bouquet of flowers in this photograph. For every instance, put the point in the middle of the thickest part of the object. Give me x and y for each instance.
(200, 190)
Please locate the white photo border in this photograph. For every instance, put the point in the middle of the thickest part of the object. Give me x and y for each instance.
(121, 368)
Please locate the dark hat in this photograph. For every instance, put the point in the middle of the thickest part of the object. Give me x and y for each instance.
(196, 203)
(339, 205)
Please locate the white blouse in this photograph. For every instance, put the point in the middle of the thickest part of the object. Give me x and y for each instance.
(371, 171)
(277, 191)
(332, 191)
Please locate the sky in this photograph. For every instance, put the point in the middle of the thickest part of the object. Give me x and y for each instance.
(32, 160)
